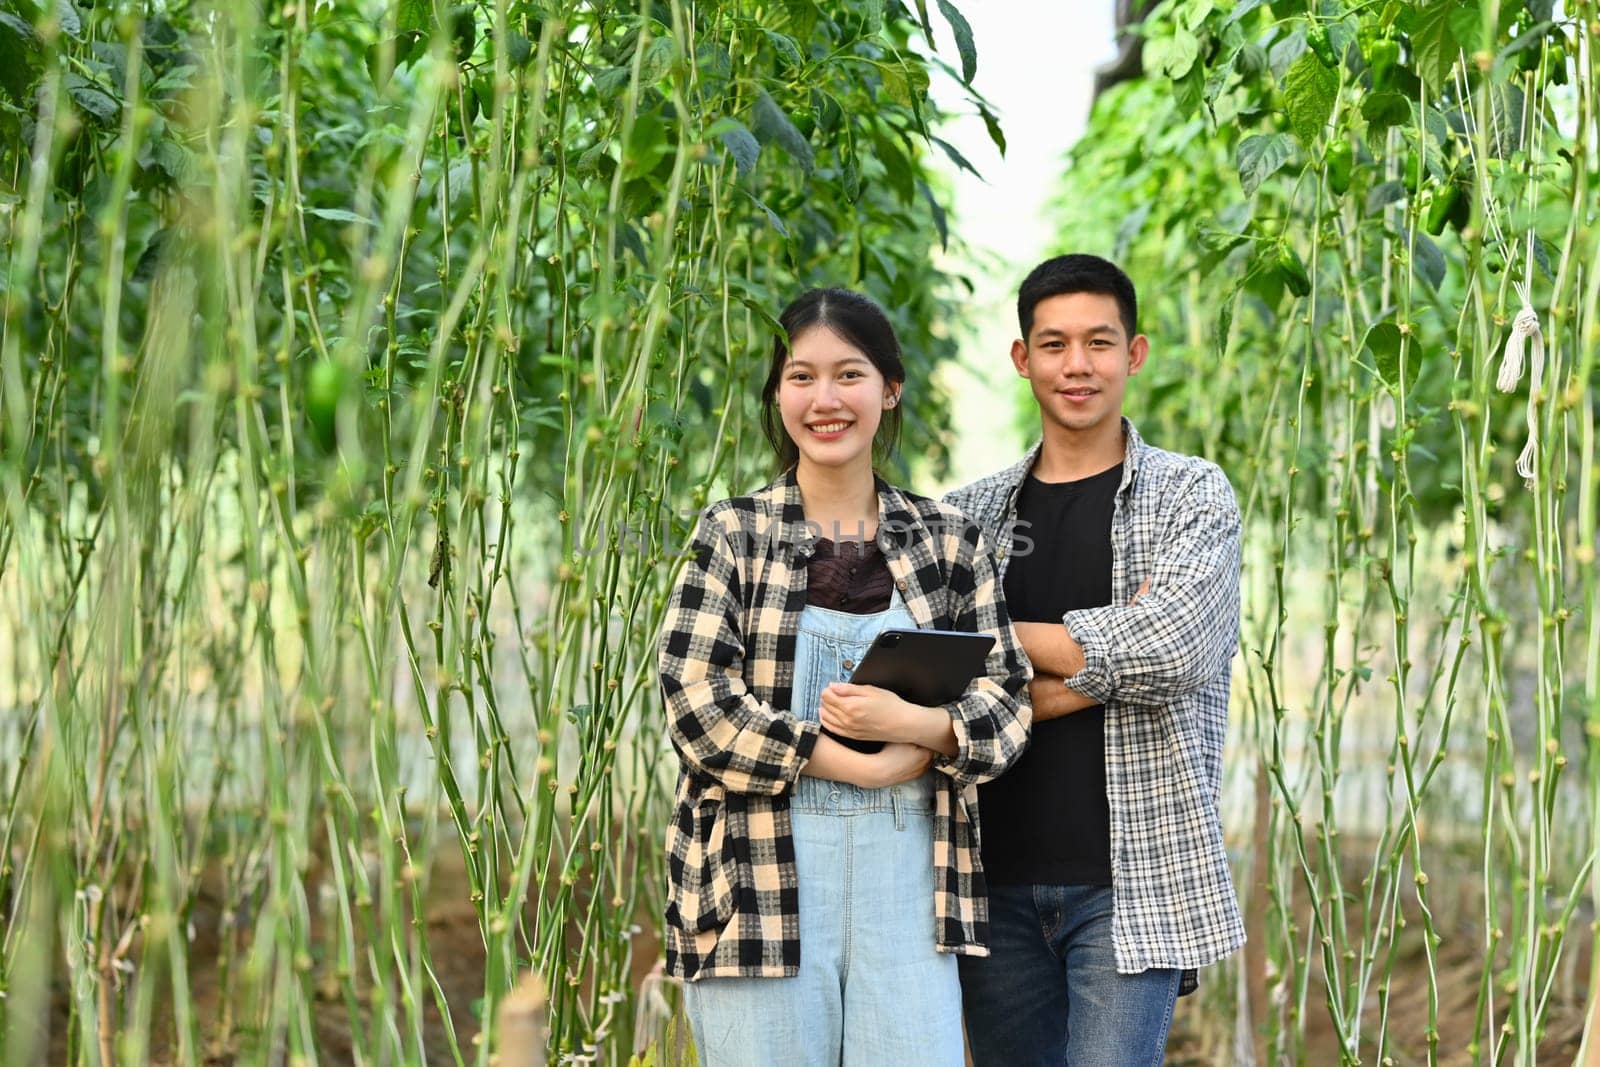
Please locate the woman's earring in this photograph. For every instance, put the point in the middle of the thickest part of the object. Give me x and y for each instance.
(891, 402)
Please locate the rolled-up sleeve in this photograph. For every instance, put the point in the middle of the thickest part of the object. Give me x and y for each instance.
(992, 720)
(717, 726)
(1182, 632)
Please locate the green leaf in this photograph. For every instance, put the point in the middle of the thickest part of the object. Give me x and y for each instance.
(1128, 229)
(1385, 109)
(1189, 91)
(19, 26)
(755, 300)
(463, 22)
(739, 141)
(519, 50)
(772, 216)
(339, 214)
(1427, 261)
(1466, 23)
(1507, 103)
(905, 83)
(658, 59)
(1259, 157)
(97, 102)
(596, 161)
(939, 221)
(173, 158)
(963, 35)
(408, 47)
(1250, 60)
(71, 21)
(1309, 89)
(19, 51)
(1383, 343)
(786, 47)
(176, 80)
(772, 126)
(1172, 57)
(956, 157)
(897, 168)
(872, 15)
(850, 175)
(1433, 44)
(1241, 10)
(1284, 51)
(416, 16)
(1383, 194)
(612, 82)
(992, 124)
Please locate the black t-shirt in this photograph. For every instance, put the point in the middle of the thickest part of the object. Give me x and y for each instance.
(1047, 820)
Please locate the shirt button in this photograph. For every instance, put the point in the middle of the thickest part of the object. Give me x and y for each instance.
(902, 585)
(849, 664)
(1000, 553)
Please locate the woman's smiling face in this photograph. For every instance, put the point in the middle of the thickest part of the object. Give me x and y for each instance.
(831, 399)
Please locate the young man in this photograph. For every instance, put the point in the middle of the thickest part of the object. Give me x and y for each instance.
(1120, 564)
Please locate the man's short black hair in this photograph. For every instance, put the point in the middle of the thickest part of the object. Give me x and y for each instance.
(1077, 273)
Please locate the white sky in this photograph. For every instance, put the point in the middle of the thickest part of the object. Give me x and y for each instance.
(1036, 64)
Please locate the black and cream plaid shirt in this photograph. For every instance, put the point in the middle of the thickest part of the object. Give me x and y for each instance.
(727, 658)
(1162, 668)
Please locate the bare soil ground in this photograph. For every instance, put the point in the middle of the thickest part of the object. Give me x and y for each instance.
(1204, 1032)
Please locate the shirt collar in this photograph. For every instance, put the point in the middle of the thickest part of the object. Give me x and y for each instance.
(898, 521)
(1133, 454)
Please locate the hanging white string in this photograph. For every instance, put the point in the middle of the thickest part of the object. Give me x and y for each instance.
(1527, 325)
(1526, 343)
(1525, 334)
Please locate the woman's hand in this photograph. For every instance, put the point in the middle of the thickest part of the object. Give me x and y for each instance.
(868, 713)
(864, 712)
(896, 762)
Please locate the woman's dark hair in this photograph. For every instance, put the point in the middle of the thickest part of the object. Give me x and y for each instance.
(859, 322)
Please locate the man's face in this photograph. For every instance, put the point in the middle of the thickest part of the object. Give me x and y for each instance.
(1078, 359)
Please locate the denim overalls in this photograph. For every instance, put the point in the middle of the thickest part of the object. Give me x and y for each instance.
(872, 990)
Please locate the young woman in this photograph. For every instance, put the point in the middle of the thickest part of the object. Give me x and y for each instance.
(818, 893)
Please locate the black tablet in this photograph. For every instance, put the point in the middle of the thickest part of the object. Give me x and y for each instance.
(928, 667)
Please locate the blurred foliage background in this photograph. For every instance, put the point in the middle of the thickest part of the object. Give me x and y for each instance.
(362, 366)
(1338, 213)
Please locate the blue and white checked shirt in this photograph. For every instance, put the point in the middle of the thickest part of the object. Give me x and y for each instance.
(1162, 669)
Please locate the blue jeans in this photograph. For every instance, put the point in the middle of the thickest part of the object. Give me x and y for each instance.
(872, 989)
(1049, 992)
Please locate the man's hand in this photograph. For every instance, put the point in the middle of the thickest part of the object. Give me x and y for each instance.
(1052, 699)
(1051, 647)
